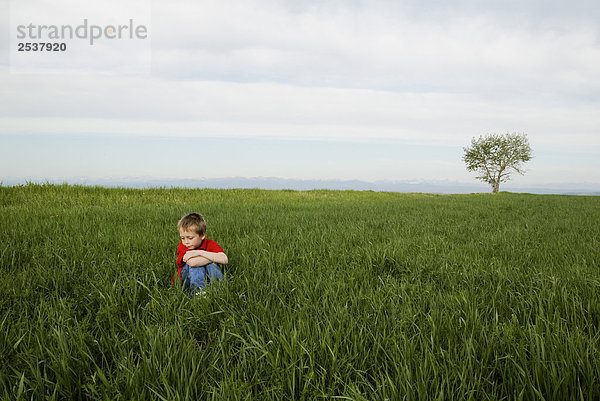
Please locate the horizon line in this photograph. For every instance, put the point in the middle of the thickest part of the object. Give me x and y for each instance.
(278, 183)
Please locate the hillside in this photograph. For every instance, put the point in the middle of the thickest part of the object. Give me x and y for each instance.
(361, 295)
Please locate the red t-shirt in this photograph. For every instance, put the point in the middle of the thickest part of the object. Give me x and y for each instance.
(206, 245)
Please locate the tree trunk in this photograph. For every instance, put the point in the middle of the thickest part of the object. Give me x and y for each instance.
(495, 187)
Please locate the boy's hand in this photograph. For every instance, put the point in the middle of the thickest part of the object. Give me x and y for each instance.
(191, 254)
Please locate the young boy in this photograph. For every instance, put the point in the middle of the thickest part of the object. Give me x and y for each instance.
(197, 256)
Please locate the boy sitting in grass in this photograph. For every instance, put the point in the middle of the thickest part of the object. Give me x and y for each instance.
(197, 256)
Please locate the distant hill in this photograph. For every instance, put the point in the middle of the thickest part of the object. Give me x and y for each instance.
(274, 183)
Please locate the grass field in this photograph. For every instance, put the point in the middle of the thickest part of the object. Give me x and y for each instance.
(328, 294)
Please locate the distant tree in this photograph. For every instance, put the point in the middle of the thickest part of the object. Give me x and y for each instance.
(495, 157)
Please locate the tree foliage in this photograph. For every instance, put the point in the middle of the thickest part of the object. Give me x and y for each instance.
(495, 157)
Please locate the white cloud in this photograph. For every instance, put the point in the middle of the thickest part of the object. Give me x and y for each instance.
(375, 71)
(99, 104)
(379, 47)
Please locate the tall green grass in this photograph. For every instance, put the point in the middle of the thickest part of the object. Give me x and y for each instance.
(328, 294)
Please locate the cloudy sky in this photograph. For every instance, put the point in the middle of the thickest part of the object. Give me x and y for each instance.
(368, 90)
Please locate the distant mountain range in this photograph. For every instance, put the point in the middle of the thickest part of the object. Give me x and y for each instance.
(420, 186)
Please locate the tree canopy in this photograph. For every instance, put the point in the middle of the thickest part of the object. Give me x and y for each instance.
(495, 157)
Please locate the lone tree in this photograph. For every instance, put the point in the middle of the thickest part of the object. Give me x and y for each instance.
(495, 157)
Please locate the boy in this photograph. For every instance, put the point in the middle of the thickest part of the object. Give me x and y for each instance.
(197, 256)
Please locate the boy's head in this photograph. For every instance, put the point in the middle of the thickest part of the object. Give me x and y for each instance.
(192, 229)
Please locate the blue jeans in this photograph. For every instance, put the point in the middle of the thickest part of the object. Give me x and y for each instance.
(197, 277)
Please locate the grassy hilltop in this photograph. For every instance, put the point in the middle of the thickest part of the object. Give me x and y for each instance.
(353, 295)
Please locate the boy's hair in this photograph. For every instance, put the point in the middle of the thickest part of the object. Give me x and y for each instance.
(193, 222)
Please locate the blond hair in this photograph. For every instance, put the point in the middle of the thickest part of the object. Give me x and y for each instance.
(193, 222)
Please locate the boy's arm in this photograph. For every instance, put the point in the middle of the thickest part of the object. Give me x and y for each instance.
(197, 261)
(199, 257)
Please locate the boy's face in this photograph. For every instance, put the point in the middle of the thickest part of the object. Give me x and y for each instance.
(190, 239)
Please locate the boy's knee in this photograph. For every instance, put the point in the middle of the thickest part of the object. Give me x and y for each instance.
(214, 271)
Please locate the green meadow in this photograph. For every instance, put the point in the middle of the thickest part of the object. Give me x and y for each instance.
(328, 295)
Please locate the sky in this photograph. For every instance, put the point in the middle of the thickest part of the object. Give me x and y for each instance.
(367, 90)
